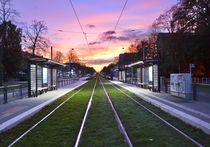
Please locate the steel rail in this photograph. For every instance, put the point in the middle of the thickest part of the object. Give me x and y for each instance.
(44, 118)
(85, 117)
(160, 118)
(121, 127)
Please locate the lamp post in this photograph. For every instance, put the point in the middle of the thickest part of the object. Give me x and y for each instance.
(51, 69)
(51, 52)
(72, 54)
(1, 67)
(71, 61)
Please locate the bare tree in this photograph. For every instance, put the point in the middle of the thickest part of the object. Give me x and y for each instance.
(34, 37)
(6, 15)
(6, 11)
(193, 16)
(165, 21)
(59, 57)
(72, 56)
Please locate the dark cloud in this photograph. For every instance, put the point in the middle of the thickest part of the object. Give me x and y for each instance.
(111, 35)
(133, 34)
(90, 26)
(123, 38)
(126, 35)
(94, 43)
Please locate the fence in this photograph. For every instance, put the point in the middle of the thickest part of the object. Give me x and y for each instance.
(12, 92)
(66, 81)
(164, 85)
(132, 80)
(201, 80)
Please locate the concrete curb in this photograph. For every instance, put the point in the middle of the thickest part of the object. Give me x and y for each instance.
(189, 119)
(23, 116)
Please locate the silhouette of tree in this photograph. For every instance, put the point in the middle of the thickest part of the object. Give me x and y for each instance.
(72, 56)
(59, 57)
(193, 16)
(12, 48)
(165, 21)
(34, 38)
(7, 13)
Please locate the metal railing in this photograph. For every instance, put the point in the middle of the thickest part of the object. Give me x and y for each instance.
(132, 80)
(201, 80)
(66, 81)
(11, 93)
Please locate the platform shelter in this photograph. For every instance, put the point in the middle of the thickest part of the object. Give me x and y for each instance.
(43, 75)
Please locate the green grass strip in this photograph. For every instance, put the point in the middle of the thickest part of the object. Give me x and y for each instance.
(143, 128)
(101, 128)
(193, 132)
(59, 129)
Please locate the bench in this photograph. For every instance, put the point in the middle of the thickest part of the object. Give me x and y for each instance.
(141, 84)
(52, 87)
(150, 87)
(42, 90)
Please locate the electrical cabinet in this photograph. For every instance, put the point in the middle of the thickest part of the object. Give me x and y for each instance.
(181, 85)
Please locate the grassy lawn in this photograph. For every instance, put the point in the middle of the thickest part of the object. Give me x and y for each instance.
(143, 128)
(101, 128)
(195, 133)
(60, 129)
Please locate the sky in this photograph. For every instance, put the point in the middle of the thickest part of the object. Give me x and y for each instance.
(98, 19)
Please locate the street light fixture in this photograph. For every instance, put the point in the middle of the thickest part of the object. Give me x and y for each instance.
(72, 54)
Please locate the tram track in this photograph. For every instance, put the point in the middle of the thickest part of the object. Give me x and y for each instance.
(129, 119)
(116, 116)
(85, 116)
(46, 117)
(160, 118)
(118, 120)
(143, 124)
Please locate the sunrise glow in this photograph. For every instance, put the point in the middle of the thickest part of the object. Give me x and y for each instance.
(98, 19)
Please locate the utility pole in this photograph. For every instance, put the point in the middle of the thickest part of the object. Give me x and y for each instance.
(1, 64)
(51, 69)
(72, 54)
(51, 53)
(71, 62)
(3, 46)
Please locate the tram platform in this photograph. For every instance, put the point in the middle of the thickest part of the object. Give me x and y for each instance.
(17, 111)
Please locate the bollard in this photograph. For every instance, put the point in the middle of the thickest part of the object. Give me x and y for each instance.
(21, 92)
(5, 94)
(194, 92)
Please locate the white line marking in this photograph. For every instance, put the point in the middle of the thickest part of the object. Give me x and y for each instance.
(85, 117)
(187, 118)
(166, 122)
(167, 101)
(122, 128)
(19, 118)
(29, 130)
